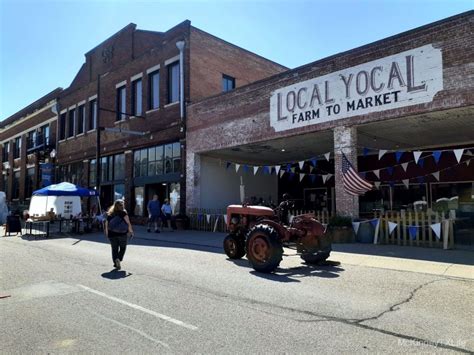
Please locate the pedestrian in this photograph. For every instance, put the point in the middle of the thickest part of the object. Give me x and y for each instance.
(154, 212)
(117, 229)
(166, 214)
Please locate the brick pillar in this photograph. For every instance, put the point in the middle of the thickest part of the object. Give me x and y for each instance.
(23, 159)
(11, 163)
(129, 181)
(345, 141)
(182, 179)
(193, 172)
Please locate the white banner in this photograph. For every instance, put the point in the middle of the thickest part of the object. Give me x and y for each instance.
(208, 218)
(327, 156)
(301, 164)
(436, 229)
(405, 166)
(417, 156)
(391, 227)
(458, 153)
(302, 177)
(436, 175)
(356, 226)
(408, 78)
(237, 166)
(225, 218)
(382, 153)
(377, 173)
(255, 169)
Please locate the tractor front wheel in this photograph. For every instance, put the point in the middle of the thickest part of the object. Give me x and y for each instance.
(234, 247)
(315, 258)
(264, 248)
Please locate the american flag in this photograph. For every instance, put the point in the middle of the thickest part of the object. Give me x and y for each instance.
(353, 183)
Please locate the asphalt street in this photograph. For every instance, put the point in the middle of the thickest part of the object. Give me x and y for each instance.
(182, 295)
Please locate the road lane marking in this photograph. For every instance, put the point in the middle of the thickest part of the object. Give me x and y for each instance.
(133, 329)
(140, 308)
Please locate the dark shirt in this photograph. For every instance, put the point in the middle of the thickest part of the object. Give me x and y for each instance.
(109, 217)
(154, 207)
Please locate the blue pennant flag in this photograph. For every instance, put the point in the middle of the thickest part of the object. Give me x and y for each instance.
(200, 217)
(421, 162)
(313, 178)
(374, 222)
(288, 168)
(272, 170)
(398, 155)
(437, 155)
(246, 168)
(292, 176)
(314, 161)
(365, 151)
(227, 165)
(413, 230)
(390, 170)
(266, 170)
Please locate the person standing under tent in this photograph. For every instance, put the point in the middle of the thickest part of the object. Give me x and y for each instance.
(117, 228)
(154, 212)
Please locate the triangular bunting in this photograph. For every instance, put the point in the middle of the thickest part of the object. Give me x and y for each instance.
(325, 178)
(405, 166)
(406, 182)
(458, 153)
(468, 161)
(377, 184)
(436, 175)
(225, 218)
(277, 168)
(237, 166)
(437, 155)
(417, 156)
(314, 161)
(255, 169)
(377, 173)
(301, 164)
(398, 155)
(391, 227)
(356, 226)
(382, 153)
(327, 156)
(288, 167)
(282, 172)
(436, 227)
(374, 222)
(208, 218)
(413, 230)
(302, 177)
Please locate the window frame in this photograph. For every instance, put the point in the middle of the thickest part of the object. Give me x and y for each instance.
(137, 99)
(121, 100)
(170, 86)
(152, 89)
(225, 80)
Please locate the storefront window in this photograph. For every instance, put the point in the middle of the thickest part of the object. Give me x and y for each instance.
(119, 191)
(396, 197)
(119, 167)
(453, 196)
(162, 159)
(92, 171)
(16, 185)
(174, 197)
(30, 173)
(139, 200)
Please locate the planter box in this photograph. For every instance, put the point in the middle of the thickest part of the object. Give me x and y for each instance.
(342, 235)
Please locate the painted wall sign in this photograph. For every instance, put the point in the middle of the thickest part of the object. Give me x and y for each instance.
(404, 79)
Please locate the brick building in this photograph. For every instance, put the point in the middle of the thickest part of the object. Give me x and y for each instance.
(134, 77)
(378, 104)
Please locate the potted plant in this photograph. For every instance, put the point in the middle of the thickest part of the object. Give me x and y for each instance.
(340, 229)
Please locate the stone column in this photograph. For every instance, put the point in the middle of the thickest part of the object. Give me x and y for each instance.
(345, 141)
(193, 173)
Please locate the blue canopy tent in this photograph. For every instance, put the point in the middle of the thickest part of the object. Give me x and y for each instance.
(65, 189)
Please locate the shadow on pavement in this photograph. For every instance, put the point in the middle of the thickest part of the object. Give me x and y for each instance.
(116, 275)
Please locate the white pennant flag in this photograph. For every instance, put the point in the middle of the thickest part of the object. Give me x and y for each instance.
(282, 172)
(225, 218)
(237, 166)
(277, 168)
(356, 226)
(391, 227)
(436, 175)
(417, 156)
(377, 184)
(301, 164)
(406, 182)
(436, 229)
(325, 177)
(327, 155)
(208, 218)
(255, 169)
(377, 173)
(382, 153)
(302, 177)
(468, 161)
(458, 153)
(405, 166)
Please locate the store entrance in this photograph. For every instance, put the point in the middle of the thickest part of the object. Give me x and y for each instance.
(106, 196)
(156, 189)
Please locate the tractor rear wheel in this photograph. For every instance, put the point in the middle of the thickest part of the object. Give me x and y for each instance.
(264, 248)
(234, 247)
(315, 258)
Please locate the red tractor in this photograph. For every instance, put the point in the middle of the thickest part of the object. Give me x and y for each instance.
(259, 232)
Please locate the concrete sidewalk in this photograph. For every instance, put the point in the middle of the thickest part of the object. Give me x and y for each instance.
(452, 263)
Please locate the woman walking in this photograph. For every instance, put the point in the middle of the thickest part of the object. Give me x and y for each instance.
(117, 229)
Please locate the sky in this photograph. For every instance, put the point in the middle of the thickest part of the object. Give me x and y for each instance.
(42, 43)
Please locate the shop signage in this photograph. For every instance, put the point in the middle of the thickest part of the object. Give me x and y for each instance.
(47, 174)
(408, 78)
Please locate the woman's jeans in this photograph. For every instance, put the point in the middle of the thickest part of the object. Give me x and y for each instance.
(119, 245)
